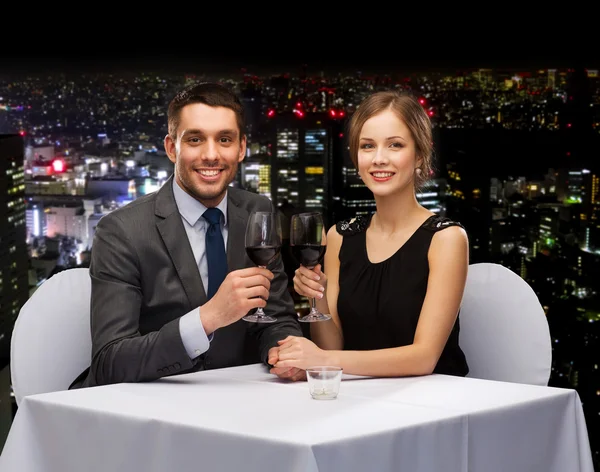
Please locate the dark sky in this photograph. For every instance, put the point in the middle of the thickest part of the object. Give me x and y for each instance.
(374, 40)
(282, 52)
(196, 61)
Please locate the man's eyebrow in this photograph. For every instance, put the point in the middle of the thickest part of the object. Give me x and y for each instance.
(192, 131)
(196, 131)
(228, 131)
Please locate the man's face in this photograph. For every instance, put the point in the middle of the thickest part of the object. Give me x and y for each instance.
(206, 152)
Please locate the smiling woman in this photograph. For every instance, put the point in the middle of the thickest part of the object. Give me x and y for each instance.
(394, 280)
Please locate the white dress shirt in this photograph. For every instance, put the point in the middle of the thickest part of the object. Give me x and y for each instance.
(192, 332)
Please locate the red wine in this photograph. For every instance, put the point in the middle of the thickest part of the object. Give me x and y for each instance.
(263, 255)
(309, 255)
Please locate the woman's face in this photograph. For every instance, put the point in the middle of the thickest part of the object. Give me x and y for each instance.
(386, 154)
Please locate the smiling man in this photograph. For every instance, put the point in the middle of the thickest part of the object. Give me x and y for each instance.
(170, 276)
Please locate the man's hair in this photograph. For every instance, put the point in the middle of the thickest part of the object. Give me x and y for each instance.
(211, 94)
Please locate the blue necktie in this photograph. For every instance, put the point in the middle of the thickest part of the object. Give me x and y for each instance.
(215, 251)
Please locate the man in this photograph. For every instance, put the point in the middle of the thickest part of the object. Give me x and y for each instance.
(170, 283)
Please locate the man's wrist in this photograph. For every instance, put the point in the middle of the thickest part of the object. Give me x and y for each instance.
(207, 320)
(193, 336)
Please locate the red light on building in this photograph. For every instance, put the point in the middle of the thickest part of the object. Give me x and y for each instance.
(21, 133)
(332, 113)
(299, 113)
(58, 165)
(342, 113)
(271, 113)
(430, 112)
(422, 101)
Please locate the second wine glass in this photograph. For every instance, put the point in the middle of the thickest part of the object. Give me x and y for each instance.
(308, 243)
(263, 245)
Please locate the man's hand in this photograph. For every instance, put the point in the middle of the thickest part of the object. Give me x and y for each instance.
(241, 291)
(288, 373)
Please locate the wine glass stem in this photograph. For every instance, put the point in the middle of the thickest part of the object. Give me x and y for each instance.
(313, 305)
(259, 311)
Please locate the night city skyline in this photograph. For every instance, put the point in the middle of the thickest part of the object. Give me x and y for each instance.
(516, 144)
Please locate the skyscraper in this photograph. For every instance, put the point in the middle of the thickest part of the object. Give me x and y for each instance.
(303, 162)
(578, 115)
(13, 248)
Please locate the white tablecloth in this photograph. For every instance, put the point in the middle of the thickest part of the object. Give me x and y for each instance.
(245, 419)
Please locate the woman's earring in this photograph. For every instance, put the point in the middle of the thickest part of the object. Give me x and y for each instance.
(418, 171)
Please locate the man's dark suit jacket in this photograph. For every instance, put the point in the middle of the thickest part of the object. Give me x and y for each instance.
(144, 278)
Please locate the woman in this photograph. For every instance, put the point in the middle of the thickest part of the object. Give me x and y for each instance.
(394, 280)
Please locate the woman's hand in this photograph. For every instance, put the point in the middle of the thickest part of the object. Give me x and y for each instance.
(300, 352)
(310, 283)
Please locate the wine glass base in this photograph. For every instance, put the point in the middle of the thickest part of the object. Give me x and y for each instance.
(314, 317)
(259, 318)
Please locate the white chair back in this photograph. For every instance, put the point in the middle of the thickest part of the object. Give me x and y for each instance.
(504, 332)
(51, 341)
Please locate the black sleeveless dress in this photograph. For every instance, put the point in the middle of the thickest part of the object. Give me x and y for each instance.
(379, 303)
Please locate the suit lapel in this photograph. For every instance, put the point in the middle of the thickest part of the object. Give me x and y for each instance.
(173, 234)
(237, 219)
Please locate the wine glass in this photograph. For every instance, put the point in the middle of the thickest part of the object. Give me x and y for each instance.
(263, 245)
(308, 244)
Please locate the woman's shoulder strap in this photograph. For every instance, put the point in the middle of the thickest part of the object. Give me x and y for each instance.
(437, 223)
(353, 226)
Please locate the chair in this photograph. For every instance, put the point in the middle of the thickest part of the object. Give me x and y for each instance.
(504, 332)
(51, 341)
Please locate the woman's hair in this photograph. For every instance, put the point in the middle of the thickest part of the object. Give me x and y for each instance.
(411, 112)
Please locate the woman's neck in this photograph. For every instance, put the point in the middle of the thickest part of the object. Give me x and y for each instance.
(396, 212)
